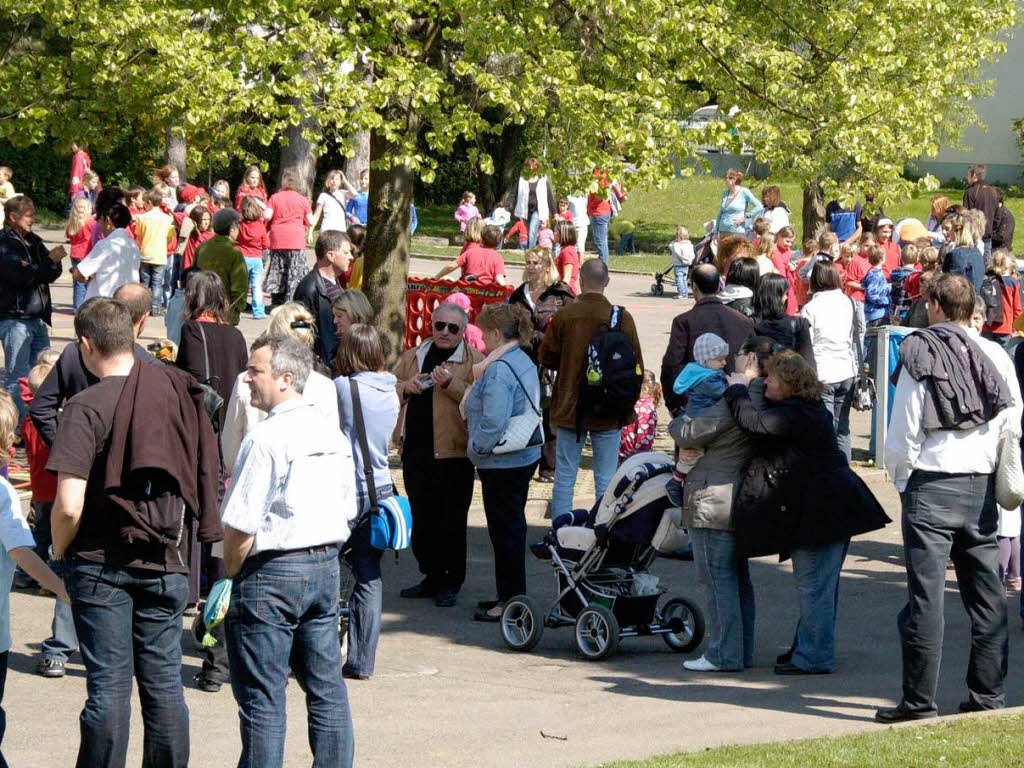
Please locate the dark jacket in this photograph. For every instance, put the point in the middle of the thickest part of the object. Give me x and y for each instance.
(1002, 229)
(26, 271)
(160, 423)
(709, 315)
(564, 349)
(67, 378)
(543, 309)
(789, 333)
(228, 357)
(798, 490)
(966, 261)
(965, 388)
(312, 293)
(986, 199)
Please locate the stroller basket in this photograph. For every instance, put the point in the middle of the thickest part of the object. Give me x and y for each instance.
(613, 592)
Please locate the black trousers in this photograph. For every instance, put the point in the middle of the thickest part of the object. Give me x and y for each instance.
(505, 492)
(440, 492)
(547, 451)
(952, 516)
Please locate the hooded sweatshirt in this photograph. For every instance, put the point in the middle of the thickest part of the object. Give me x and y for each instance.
(703, 386)
(379, 400)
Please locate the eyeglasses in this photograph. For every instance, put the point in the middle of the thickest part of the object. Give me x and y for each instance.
(454, 328)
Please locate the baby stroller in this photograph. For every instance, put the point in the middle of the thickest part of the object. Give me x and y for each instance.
(704, 252)
(604, 588)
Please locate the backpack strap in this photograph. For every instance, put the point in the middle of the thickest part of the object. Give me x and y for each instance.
(615, 321)
(364, 448)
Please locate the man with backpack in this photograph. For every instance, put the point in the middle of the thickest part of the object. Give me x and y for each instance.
(136, 464)
(595, 350)
(291, 502)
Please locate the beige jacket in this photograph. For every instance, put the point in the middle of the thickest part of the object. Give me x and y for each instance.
(450, 435)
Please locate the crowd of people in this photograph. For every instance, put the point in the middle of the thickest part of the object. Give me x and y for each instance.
(157, 472)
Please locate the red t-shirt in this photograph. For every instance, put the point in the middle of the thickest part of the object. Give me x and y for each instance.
(892, 257)
(195, 239)
(859, 266)
(288, 225)
(252, 238)
(483, 263)
(244, 191)
(568, 255)
(43, 483)
(781, 262)
(80, 163)
(81, 241)
(598, 205)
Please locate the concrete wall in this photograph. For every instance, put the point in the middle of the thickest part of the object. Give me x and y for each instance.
(997, 147)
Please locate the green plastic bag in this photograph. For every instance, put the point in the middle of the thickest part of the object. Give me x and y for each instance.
(216, 609)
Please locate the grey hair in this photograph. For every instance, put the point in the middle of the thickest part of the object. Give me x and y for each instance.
(446, 306)
(288, 355)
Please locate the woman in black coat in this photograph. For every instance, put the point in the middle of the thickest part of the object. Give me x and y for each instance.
(771, 320)
(799, 499)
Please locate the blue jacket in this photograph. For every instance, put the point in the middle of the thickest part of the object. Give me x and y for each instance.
(877, 294)
(966, 261)
(379, 399)
(495, 398)
(357, 207)
(703, 386)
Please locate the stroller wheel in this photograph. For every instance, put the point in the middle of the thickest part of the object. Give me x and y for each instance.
(657, 289)
(597, 632)
(521, 626)
(686, 622)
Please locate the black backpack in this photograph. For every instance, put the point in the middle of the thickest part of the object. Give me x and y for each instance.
(992, 295)
(612, 379)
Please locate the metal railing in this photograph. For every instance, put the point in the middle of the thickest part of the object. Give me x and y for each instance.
(880, 413)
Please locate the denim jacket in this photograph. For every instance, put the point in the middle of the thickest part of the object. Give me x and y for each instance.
(495, 398)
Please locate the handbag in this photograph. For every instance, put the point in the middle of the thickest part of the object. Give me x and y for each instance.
(391, 517)
(1009, 475)
(212, 401)
(863, 398)
(524, 430)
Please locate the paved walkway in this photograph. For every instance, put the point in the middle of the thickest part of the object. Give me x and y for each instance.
(447, 693)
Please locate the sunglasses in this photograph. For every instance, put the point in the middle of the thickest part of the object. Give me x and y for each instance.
(453, 328)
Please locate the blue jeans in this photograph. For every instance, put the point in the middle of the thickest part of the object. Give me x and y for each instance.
(22, 341)
(284, 612)
(152, 276)
(172, 273)
(126, 619)
(837, 398)
(366, 602)
(817, 571)
(568, 451)
(254, 266)
(532, 227)
(626, 243)
(63, 641)
(77, 290)
(599, 231)
(682, 279)
(725, 577)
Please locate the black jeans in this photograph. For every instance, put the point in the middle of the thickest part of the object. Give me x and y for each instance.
(129, 620)
(952, 516)
(505, 492)
(440, 492)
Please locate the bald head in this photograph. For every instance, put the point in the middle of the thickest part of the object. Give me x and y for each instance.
(706, 280)
(139, 300)
(593, 276)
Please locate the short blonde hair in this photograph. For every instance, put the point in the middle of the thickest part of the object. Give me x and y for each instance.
(1003, 262)
(976, 219)
(295, 320)
(908, 255)
(682, 233)
(37, 375)
(8, 424)
(474, 230)
(928, 258)
(48, 357)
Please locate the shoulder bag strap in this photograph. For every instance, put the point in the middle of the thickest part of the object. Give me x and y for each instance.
(529, 399)
(364, 448)
(854, 338)
(206, 352)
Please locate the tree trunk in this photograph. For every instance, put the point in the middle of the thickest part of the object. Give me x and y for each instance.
(814, 210)
(507, 166)
(359, 158)
(175, 151)
(387, 246)
(297, 156)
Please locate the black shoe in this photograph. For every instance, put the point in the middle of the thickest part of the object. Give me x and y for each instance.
(901, 714)
(486, 605)
(423, 589)
(446, 598)
(203, 683)
(546, 477)
(348, 674)
(971, 706)
(487, 616)
(789, 668)
(784, 658)
(51, 667)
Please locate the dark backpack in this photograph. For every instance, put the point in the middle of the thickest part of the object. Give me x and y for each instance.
(992, 295)
(611, 381)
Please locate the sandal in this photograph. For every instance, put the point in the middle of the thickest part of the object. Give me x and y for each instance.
(492, 616)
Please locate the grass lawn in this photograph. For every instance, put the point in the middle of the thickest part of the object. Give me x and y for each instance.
(657, 212)
(974, 741)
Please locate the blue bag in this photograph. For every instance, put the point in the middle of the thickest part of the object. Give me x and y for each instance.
(390, 518)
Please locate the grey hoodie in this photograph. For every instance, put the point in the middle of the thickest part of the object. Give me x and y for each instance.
(380, 414)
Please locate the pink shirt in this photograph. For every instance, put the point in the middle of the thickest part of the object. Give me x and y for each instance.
(484, 263)
(288, 225)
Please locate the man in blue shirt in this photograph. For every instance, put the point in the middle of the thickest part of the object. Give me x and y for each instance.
(845, 222)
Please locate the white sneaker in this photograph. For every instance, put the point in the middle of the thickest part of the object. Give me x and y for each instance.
(700, 665)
